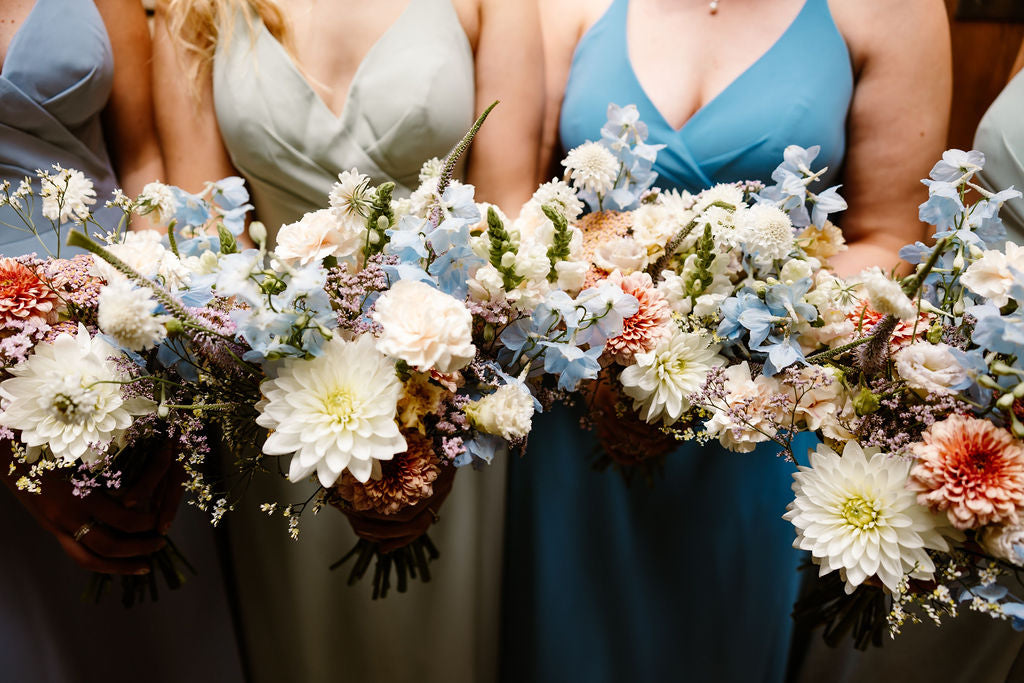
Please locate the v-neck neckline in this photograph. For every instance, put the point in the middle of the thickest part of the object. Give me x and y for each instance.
(339, 117)
(718, 96)
(17, 36)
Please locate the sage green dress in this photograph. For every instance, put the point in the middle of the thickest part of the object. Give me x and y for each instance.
(1000, 136)
(412, 98)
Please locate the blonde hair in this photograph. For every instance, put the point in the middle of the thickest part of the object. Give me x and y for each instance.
(197, 26)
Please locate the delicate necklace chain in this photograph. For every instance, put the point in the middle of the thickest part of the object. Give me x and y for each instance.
(713, 6)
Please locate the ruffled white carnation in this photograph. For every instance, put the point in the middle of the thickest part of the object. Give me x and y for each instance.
(653, 227)
(766, 231)
(144, 251)
(67, 396)
(752, 417)
(508, 412)
(127, 314)
(990, 275)
(335, 412)
(592, 167)
(929, 368)
(532, 262)
(67, 195)
(320, 234)
(886, 295)
(425, 327)
(571, 275)
(660, 381)
(856, 516)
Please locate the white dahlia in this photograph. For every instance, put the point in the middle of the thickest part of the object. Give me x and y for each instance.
(335, 412)
(67, 195)
(508, 412)
(856, 515)
(127, 314)
(660, 380)
(592, 167)
(425, 327)
(67, 396)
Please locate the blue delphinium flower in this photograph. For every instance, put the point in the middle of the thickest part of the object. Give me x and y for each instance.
(481, 449)
(190, 209)
(571, 364)
(732, 308)
(955, 164)
(943, 205)
(825, 203)
(406, 241)
(605, 309)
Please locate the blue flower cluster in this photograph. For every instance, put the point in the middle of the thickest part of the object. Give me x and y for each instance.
(625, 135)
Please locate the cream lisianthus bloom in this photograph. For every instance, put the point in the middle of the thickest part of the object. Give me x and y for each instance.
(660, 380)
(624, 254)
(333, 413)
(929, 368)
(67, 396)
(425, 327)
(990, 275)
(855, 515)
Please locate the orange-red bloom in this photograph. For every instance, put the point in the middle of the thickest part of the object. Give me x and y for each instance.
(23, 294)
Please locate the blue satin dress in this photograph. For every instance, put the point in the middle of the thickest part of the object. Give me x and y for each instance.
(692, 579)
(55, 82)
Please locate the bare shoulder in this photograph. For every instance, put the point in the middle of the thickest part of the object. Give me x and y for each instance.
(569, 19)
(886, 28)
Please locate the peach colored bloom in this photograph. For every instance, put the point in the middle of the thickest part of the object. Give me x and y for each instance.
(405, 480)
(865, 317)
(23, 294)
(971, 469)
(649, 325)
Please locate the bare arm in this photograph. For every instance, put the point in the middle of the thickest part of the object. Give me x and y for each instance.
(562, 27)
(509, 67)
(186, 121)
(128, 122)
(897, 126)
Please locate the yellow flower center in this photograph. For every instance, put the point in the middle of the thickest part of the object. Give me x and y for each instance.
(340, 405)
(860, 513)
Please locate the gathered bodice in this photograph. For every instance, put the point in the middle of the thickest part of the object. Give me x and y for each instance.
(55, 81)
(1000, 136)
(411, 99)
(798, 92)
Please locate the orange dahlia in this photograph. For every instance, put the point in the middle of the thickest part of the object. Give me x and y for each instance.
(866, 318)
(649, 325)
(23, 294)
(971, 469)
(405, 480)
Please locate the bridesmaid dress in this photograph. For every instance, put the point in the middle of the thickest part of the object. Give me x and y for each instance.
(55, 81)
(973, 648)
(692, 579)
(411, 98)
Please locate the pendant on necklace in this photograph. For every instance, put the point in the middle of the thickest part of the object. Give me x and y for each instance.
(713, 6)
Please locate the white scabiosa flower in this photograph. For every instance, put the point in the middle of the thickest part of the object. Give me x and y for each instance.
(725, 193)
(157, 199)
(335, 412)
(425, 327)
(592, 167)
(127, 314)
(766, 231)
(320, 234)
(855, 514)
(929, 368)
(67, 195)
(990, 275)
(66, 396)
(886, 295)
(508, 412)
(144, 251)
(559, 196)
(348, 196)
(660, 380)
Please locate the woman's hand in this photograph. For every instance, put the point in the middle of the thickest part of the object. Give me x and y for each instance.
(105, 532)
(627, 439)
(402, 528)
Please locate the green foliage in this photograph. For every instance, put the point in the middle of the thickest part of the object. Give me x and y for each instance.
(559, 250)
(501, 244)
(228, 244)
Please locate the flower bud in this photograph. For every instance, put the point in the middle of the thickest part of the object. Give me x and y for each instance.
(489, 332)
(162, 411)
(1001, 368)
(988, 382)
(258, 232)
(1018, 391)
(959, 307)
(865, 402)
(1005, 402)
(174, 327)
(935, 332)
(958, 260)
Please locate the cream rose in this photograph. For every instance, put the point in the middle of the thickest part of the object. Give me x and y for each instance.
(425, 327)
(320, 234)
(929, 368)
(624, 254)
(990, 275)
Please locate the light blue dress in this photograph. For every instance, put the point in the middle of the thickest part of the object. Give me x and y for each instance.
(55, 82)
(692, 579)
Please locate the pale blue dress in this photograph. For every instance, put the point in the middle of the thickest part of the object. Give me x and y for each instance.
(55, 82)
(694, 578)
